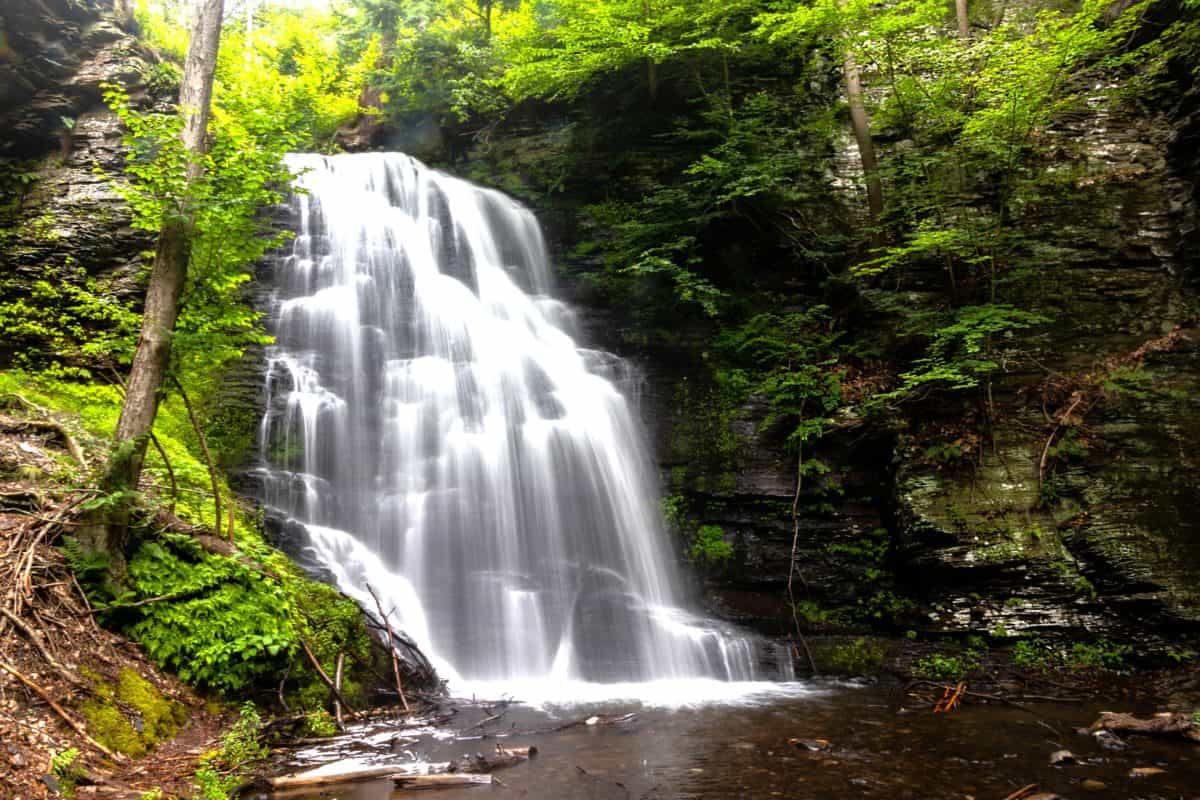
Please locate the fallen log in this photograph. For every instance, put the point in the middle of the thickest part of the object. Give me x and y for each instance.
(439, 781)
(1164, 724)
(502, 757)
(324, 776)
(465, 771)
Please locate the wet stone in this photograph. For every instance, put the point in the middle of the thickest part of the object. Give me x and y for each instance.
(1109, 740)
(1062, 757)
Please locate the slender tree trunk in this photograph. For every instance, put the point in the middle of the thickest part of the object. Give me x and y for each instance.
(862, 135)
(964, 22)
(148, 373)
(651, 66)
(208, 462)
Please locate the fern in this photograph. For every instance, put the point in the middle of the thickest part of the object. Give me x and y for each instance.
(87, 566)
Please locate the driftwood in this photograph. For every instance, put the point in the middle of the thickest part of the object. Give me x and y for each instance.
(439, 781)
(306, 779)
(337, 685)
(1024, 792)
(1165, 724)
(598, 719)
(464, 772)
(502, 757)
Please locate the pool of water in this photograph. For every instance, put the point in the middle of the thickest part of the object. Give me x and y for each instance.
(876, 742)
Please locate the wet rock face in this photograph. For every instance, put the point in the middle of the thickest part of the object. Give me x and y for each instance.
(60, 150)
(54, 55)
(71, 209)
(68, 225)
(1107, 543)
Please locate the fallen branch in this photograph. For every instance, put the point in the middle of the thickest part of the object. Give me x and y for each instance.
(337, 683)
(502, 757)
(1063, 419)
(1165, 724)
(950, 699)
(598, 719)
(323, 675)
(391, 649)
(162, 598)
(793, 570)
(20, 625)
(326, 777)
(50, 424)
(1012, 701)
(75, 726)
(464, 772)
(406, 781)
(485, 721)
(1024, 791)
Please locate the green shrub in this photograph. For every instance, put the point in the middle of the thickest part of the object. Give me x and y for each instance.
(1101, 654)
(227, 626)
(710, 547)
(860, 657)
(220, 772)
(940, 666)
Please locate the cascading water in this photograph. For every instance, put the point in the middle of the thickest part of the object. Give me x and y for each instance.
(437, 434)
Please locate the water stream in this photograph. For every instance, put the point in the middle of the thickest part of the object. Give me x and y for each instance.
(437, 434)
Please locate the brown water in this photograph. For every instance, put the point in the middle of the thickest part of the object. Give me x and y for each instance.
(881, 743)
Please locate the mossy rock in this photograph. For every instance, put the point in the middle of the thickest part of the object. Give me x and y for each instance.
(133, 716)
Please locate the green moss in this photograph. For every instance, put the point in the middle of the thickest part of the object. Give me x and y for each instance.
(160, 715)
(132, 717)
(110, 727)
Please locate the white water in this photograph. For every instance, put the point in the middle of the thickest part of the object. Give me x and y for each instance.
(438, 435)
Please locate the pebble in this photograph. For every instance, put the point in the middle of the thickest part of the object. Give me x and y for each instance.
(810, 744)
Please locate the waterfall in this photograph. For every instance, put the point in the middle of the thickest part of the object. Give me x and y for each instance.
(435, 432)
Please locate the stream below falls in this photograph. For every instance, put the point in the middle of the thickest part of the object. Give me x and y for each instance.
(873, 746)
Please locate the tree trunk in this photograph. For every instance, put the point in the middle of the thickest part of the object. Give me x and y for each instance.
(123, 10)
(862, 135)
(651, 65)
(148, 373)
(964, 22)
